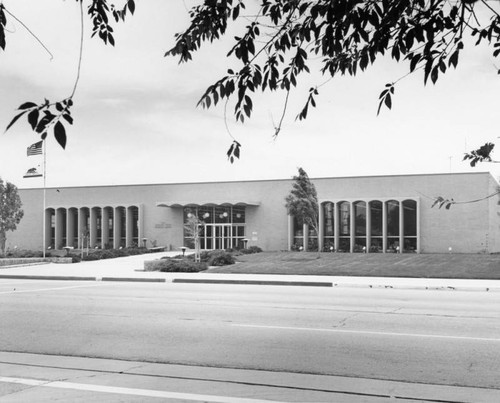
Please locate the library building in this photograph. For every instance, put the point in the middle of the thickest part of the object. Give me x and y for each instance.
(369, 214)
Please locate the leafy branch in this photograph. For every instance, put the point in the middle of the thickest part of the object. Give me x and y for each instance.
(347, 36)
(482, 154)
(440, 201)
(53, 116)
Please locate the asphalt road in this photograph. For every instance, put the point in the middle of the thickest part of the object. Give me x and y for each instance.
(306, 338)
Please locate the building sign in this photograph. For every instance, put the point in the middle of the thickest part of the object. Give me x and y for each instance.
(163, 225)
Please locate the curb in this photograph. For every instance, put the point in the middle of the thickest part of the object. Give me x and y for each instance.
(31, 277)
(249, 282)
(133, 279)
(254, 282)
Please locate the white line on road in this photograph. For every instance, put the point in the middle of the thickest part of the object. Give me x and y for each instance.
(50, 289)
(311, 329)
(132, 391)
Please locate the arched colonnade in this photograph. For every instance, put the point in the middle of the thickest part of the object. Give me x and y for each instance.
(102, 227)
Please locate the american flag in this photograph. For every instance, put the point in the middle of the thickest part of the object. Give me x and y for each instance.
(35, 149)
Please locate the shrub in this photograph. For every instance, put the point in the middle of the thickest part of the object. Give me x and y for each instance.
(174, 265)
(19, 253)
(75, 258)
(250, 250)
(106, 254)
(220, 258)
(205, 256)
(90, 257)
(119, 252)
(135, 251)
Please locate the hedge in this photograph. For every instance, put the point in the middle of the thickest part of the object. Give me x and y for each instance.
(174, 265)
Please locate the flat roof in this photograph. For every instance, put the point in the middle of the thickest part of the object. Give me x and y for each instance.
(261, 180)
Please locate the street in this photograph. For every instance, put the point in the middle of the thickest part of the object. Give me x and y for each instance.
(248, 342)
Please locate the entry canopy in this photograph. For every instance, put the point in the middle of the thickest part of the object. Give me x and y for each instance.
(211, 203)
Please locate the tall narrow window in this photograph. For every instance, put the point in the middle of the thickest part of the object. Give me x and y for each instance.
(376, 226)
(410, 226)
(328, 226)
(298, 234)
(360, 226)
(393, 226)
(344, 227)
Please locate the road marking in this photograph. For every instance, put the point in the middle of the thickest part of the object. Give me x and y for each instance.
(311, 329)
(49, 289)
(132, 391)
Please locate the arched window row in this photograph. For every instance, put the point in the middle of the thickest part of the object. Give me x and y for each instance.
(362, 226)
(94, 227)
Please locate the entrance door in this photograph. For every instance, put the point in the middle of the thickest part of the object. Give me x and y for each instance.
(222, 235)
(217, 236)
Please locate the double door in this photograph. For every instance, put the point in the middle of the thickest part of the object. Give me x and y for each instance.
(222, 236)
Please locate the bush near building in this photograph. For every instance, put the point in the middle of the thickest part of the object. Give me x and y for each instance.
(220, 258)
(175, 265)
(21, 253)
(250, 250)
(99, 254)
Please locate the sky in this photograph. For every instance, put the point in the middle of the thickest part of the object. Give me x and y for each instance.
(136, 119)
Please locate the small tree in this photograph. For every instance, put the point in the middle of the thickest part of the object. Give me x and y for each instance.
(194, 228)
(302, 202)
(10, 211)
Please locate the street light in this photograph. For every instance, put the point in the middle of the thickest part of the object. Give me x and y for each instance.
(183, 249)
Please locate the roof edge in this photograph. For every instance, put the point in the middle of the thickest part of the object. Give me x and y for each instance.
(263, 180)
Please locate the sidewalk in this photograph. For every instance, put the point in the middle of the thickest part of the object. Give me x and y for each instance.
(130, 269)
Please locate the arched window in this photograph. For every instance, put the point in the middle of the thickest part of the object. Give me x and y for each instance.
(120, 226)
(393, 226)
(359, 226)
(376, 225)
(298, 234)
(328, 226)
(72, 227)
(108, 227)
(410, 225)
(134, 217)
(344, 227)
(50, 222)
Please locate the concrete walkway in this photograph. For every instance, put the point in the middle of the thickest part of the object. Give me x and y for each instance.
(130, 269)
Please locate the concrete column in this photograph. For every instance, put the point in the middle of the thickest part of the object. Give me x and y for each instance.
(117, 227)
(104, 227)
(321, 227)
(352, 225)
(336, 225)
(305, 231)
(290, 232)
(368, 227)
(93, 227)
(129, 226)
(384, 226)
(48, 222)
(140, 224)
(70, 227)
(418, 224)
(401, 227)
(59, 228)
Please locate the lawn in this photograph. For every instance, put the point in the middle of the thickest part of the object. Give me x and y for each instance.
(463, 266)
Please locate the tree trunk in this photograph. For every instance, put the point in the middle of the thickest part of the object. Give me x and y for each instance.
(3, 239)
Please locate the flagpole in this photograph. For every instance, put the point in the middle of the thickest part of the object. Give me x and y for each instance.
(44, 194)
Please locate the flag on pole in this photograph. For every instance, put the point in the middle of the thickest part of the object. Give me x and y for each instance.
(35, 149)
(32, 173)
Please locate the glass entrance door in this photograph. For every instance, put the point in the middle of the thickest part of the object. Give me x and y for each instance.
(217, 236)
(222, 236)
